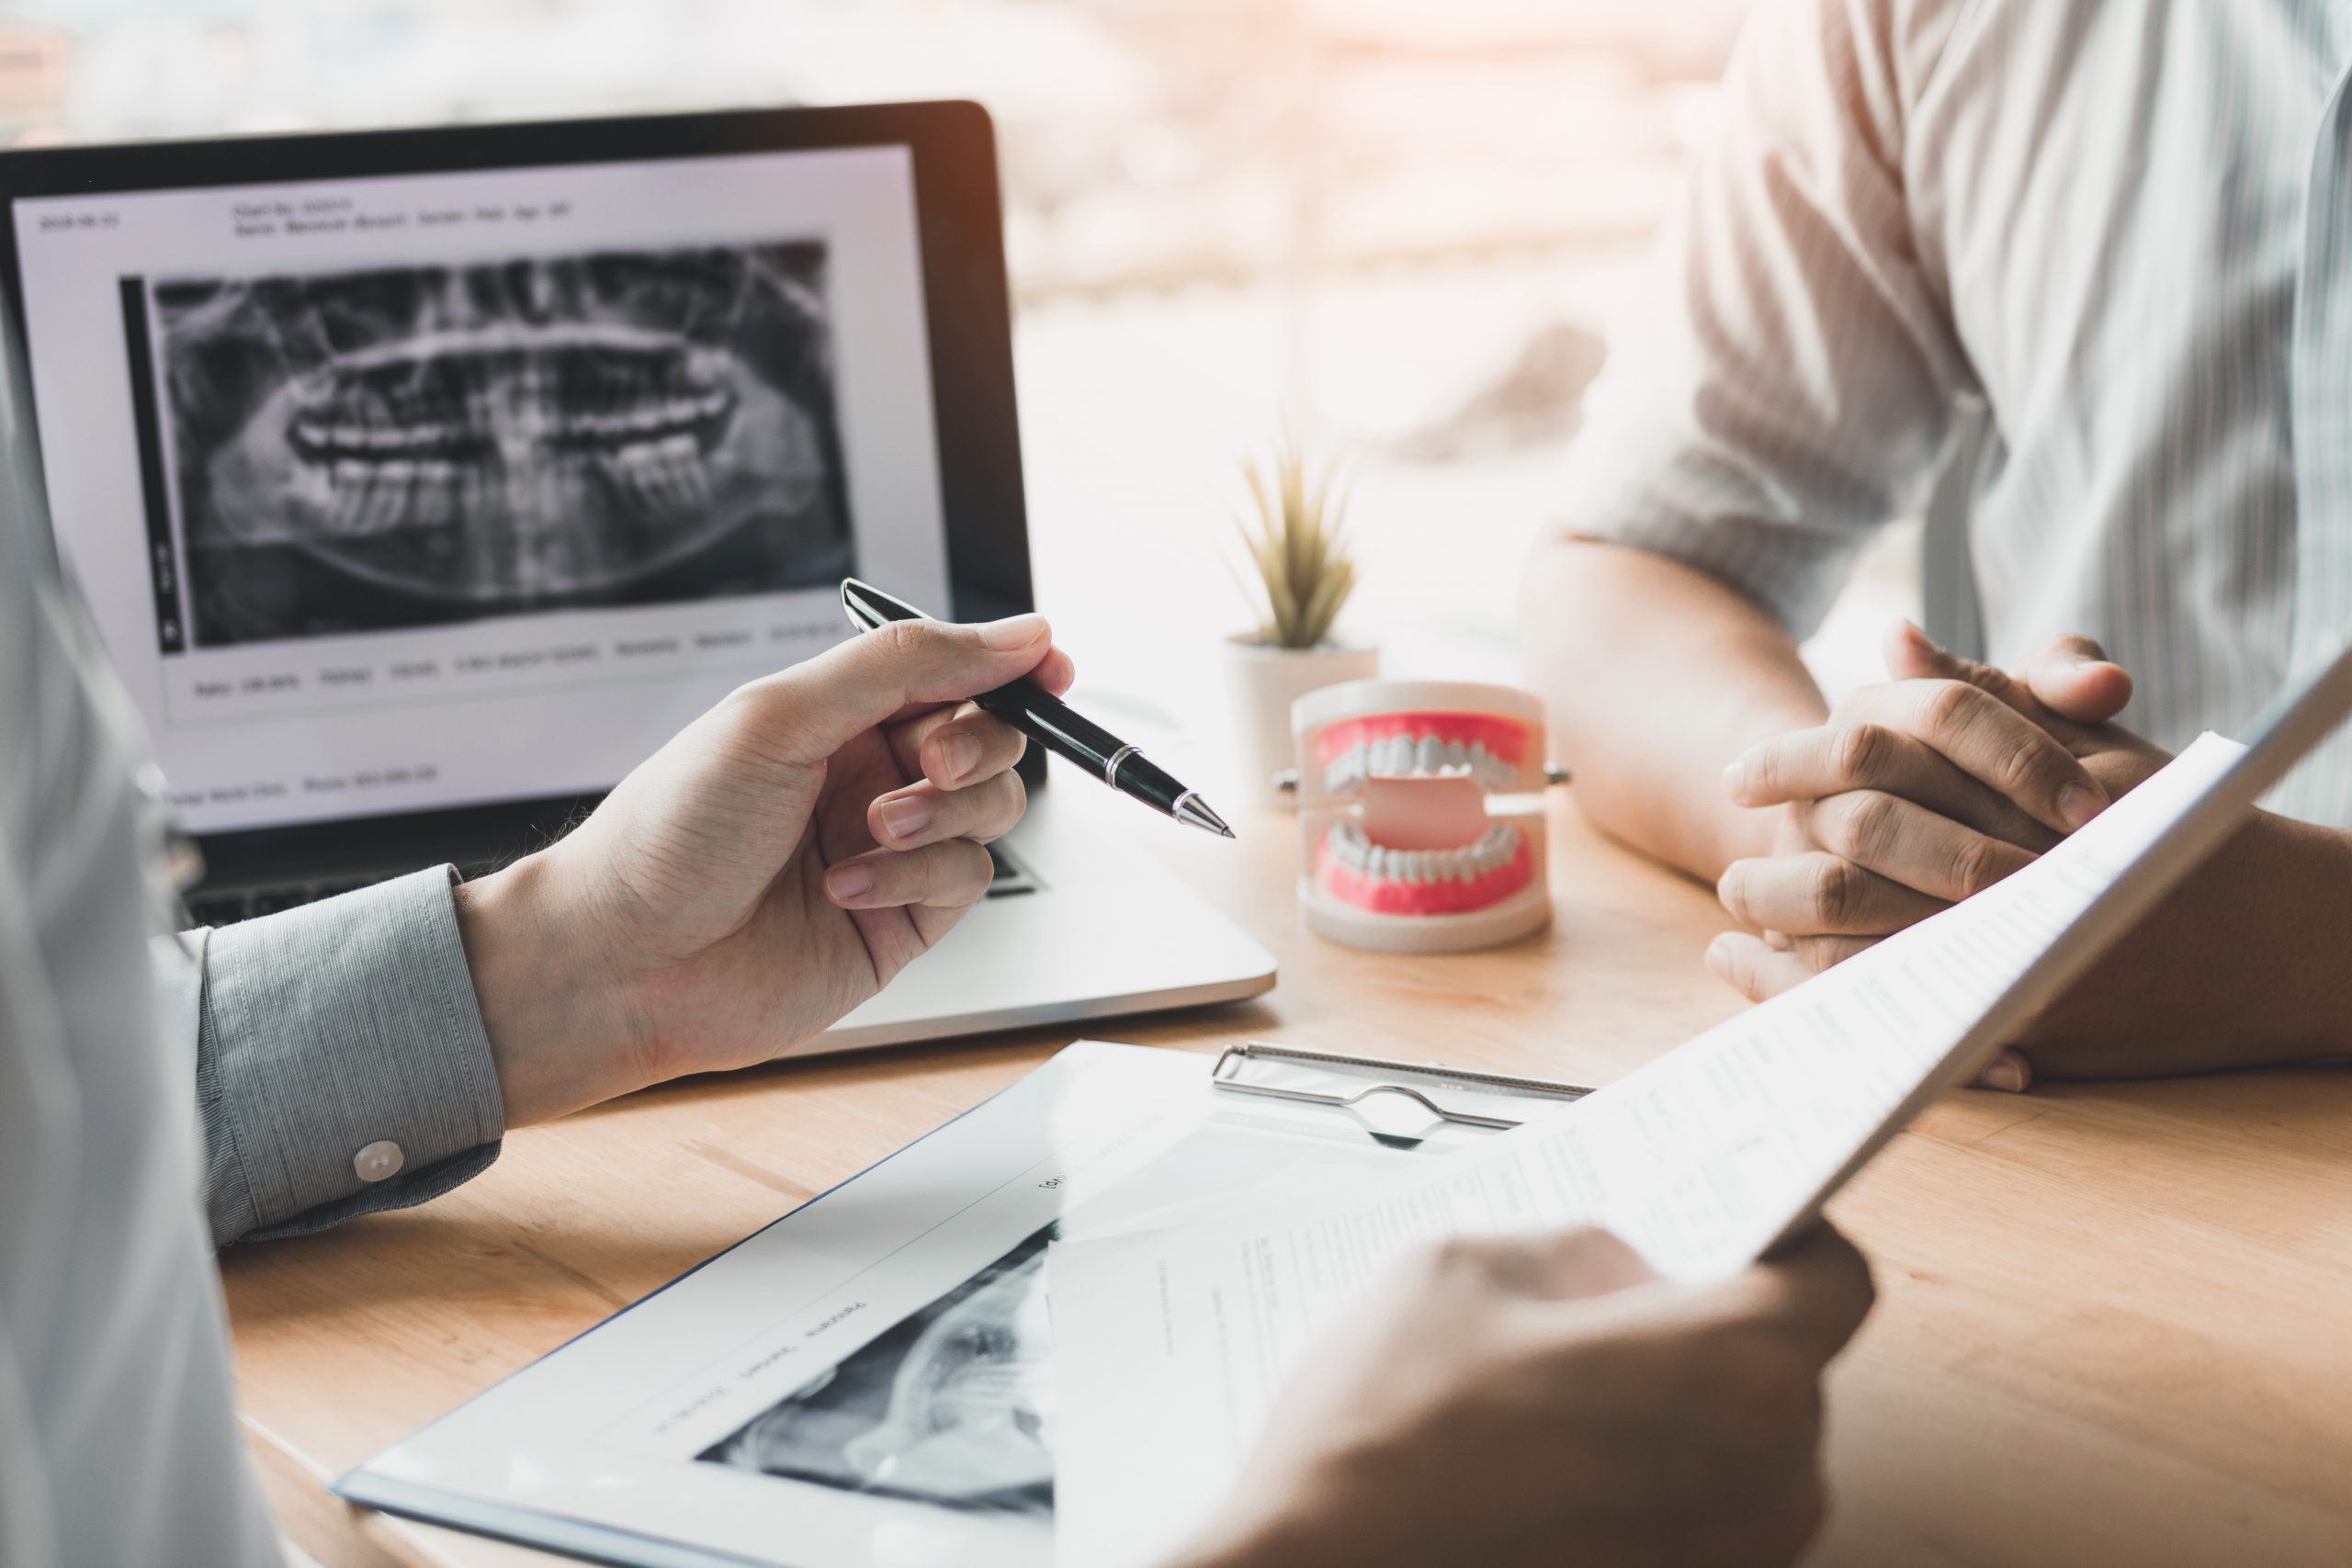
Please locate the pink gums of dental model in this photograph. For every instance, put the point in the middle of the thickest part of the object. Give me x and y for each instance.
(1504, 739)
(1381, 895)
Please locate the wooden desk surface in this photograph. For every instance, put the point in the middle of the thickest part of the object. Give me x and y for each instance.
(2115, 1323)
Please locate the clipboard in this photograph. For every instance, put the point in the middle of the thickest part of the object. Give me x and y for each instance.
(729, 1419)
(1399, 1104)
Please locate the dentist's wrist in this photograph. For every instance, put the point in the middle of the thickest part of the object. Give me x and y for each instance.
(561, 1023)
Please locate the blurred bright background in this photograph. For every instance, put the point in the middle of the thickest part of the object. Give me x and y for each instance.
(1407, 228)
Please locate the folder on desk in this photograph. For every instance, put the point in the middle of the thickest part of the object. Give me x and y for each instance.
(870, 1368)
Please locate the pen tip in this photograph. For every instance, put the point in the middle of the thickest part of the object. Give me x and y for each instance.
(1191, 808)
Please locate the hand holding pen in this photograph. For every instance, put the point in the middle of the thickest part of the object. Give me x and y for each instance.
(1054, 724)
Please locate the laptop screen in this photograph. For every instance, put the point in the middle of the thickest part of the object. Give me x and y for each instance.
(400, 493)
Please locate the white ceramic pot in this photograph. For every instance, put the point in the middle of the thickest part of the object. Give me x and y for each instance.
(1262, 682)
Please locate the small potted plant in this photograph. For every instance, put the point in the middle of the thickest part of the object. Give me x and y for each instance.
(1301, 570)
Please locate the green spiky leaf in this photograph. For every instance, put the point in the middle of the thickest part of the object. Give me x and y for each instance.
(1303, 564)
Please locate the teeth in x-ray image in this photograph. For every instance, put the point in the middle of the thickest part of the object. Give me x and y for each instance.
(451, 429)
(415, 444)
(949, 1405)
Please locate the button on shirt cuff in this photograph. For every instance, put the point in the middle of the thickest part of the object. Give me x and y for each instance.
(342, 1063)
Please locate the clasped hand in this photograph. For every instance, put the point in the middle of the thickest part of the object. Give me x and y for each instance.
(1915, 794)
(1952, 775)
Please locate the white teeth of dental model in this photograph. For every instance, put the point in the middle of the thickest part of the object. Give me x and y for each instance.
(1495, 847)
(1403, 756)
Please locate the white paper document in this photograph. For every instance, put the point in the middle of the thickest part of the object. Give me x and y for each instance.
(1171, 1344)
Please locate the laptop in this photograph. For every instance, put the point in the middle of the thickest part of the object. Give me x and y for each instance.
(420, 483)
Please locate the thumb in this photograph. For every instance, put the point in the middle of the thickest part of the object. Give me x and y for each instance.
(2072, 677)
(1816, 1290)
(1570, 1265)
(2011, 1072)
(813, 709)
(1911, 655)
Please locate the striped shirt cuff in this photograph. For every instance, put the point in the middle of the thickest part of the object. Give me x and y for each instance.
(1791, 574)
(342, 1064)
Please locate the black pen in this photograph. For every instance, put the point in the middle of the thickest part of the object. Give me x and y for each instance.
(1054, 724)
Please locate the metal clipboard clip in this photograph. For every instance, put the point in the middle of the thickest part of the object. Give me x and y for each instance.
(1399, 1104)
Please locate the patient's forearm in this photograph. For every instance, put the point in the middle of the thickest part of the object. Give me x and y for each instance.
(1657, 676)
(2242, 964)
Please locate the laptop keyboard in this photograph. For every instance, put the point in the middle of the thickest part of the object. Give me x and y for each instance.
(1006, 880)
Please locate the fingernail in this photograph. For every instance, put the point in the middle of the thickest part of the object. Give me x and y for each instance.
(2077, 804)
(905, 817)
(2004, 1076)
(959, 754)
(1735, 779)
(1719, 954)
(1013, 632)
(853, 880)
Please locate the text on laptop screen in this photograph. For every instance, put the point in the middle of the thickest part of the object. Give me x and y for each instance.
(398, 493)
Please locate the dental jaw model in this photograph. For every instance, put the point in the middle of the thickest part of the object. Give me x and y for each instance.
(1421, 802)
